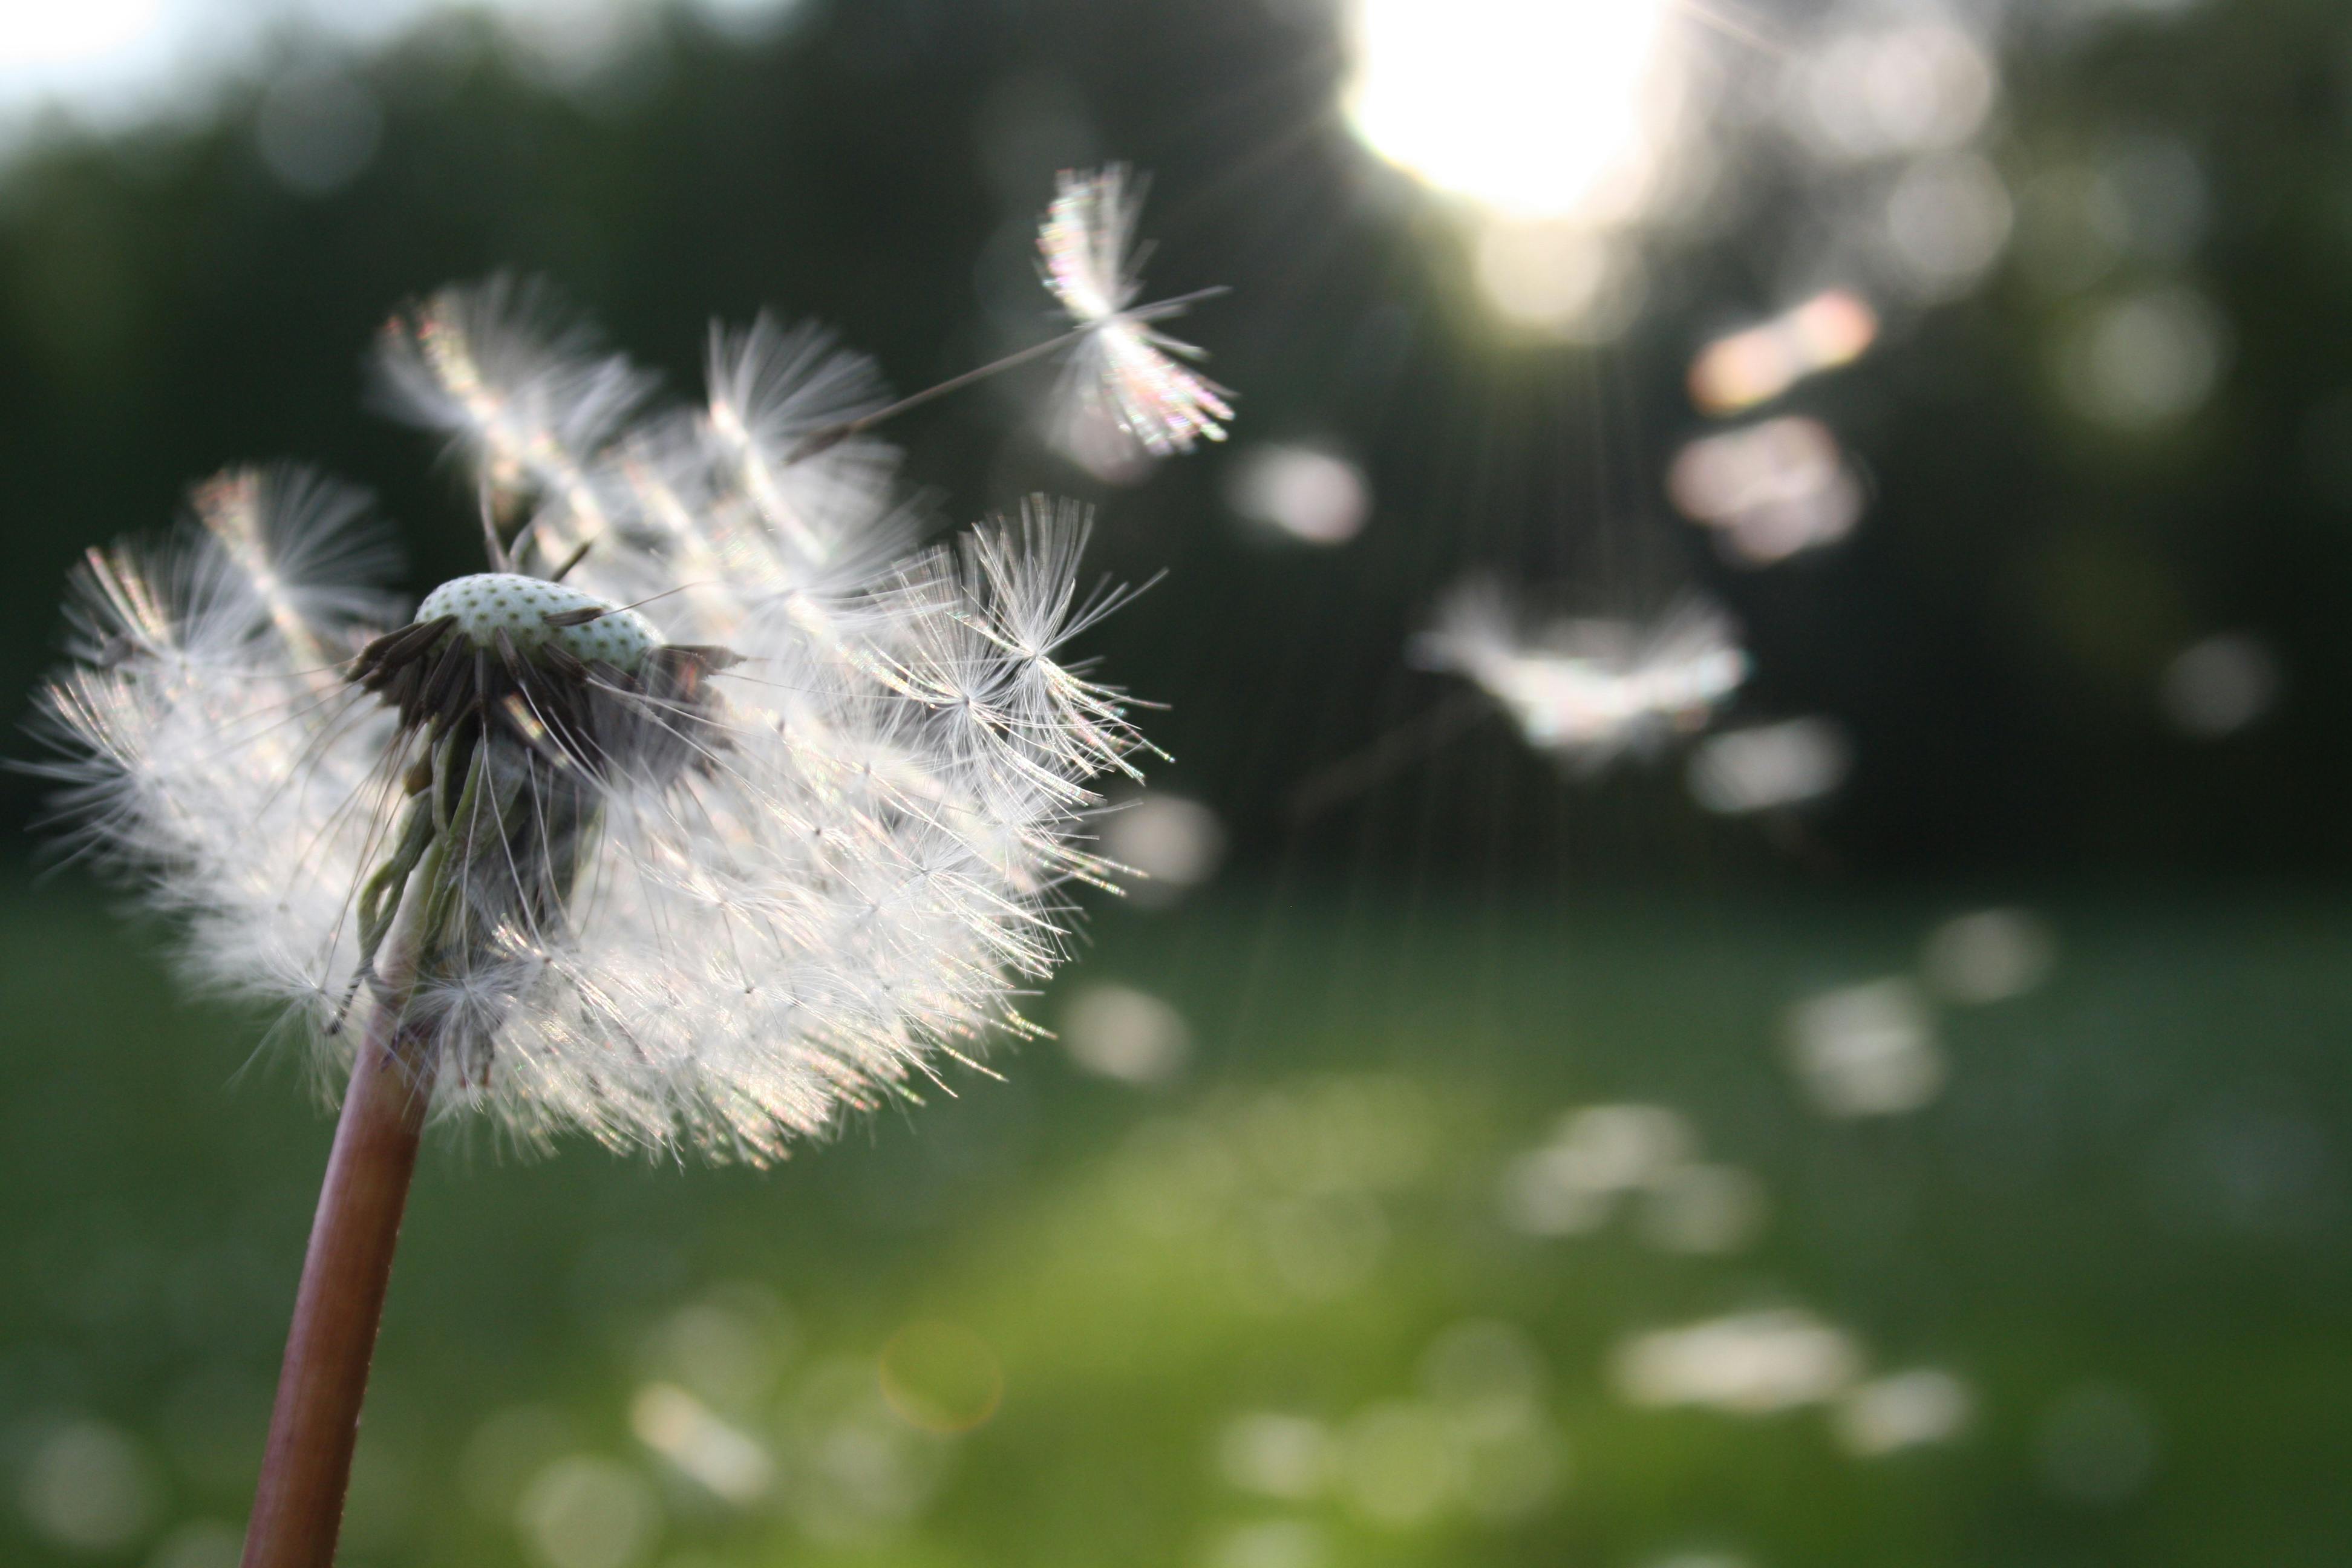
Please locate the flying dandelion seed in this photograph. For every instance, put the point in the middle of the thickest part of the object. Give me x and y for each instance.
(1588, 691)
(1127, 377)
(711, 812)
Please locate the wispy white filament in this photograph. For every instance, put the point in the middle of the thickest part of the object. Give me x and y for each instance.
(856, 874)
(524, 393)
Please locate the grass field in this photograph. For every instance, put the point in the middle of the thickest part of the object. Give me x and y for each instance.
(1282, 1311)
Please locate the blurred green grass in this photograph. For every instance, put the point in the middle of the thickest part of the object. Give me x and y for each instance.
(2132, 1198)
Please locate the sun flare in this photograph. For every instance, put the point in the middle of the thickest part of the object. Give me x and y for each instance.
(1533, 108)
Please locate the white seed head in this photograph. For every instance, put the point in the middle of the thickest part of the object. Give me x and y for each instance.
(706, 872)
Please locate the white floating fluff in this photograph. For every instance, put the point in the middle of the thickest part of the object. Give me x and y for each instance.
(770, 812)
(1126, 373)
(1589, 691)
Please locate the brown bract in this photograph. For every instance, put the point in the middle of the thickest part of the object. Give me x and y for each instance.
(647, 724)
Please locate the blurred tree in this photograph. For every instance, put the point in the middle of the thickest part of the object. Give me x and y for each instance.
(1995, 635)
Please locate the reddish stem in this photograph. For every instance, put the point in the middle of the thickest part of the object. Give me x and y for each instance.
(298, 1508)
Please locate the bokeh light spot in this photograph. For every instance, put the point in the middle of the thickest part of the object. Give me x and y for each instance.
(2219, 685)
(1173, 842)
(723, 1459)
(1753, 1363)
(941, 1376)
(1769, 490)
(89, 1488)
(1770, 767)
(582, 1511)
(2145, 361)
(317, 130)
(1903, 1410)
(1309, 494)
(1399, 1466)
(2097, 1445)
(1742, 369)
(1865, 1050)
(1913, 88)
(1990, 955)
(200, 1543)
(1704, 1210)
(1118, 1031)
(1276, 1456)
(1272, 1543)
(1559, 276)
(1947, 221)
(726, 1348)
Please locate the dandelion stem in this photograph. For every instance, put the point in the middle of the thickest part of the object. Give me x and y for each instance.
(298, 1508)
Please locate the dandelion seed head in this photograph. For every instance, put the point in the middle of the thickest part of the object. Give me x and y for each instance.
(719, 811)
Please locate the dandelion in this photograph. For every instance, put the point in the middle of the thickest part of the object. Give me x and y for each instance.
(1126, 373)
(1589, 691)
(712, 811)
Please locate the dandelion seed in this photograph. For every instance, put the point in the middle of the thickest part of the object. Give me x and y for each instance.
(710, 813)
(524, 395)
(1588, 691)
(1127, 372)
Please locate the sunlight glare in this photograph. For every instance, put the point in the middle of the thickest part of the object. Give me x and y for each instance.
(1530, 108)
(55, 37)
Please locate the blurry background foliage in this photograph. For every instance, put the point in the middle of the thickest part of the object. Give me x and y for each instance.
(1496, 1166)
(1994, 636)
